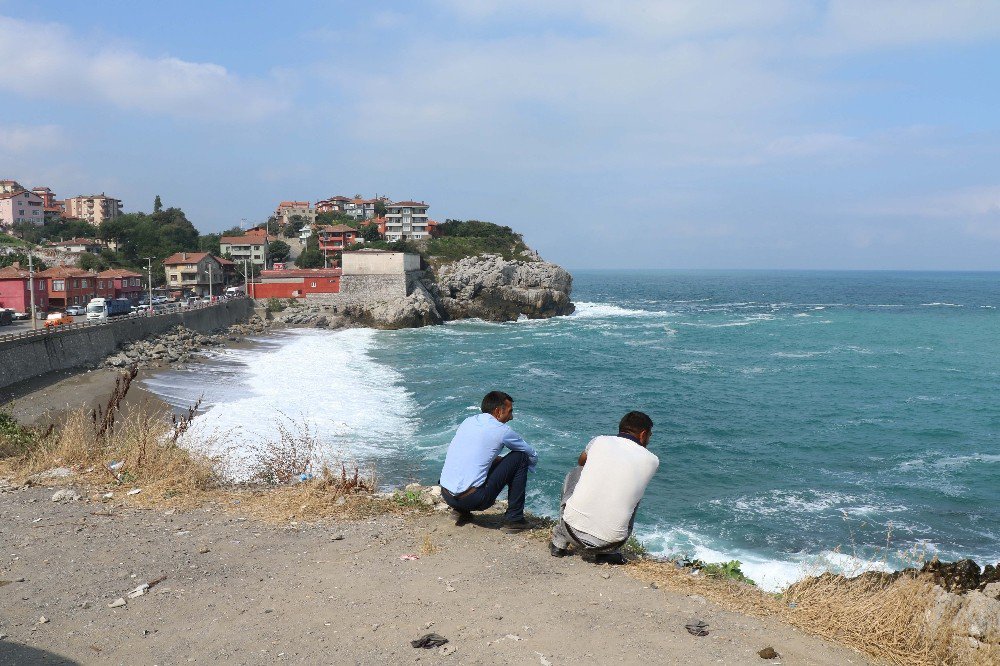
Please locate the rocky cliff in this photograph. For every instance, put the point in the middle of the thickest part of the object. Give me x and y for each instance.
(487, 287)
(495, 289)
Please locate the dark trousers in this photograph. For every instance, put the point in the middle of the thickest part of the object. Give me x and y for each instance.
(510, 472)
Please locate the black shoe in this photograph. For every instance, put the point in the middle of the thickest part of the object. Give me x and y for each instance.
(610, 558)
(556, 551)
(515, 526)
(463, 518)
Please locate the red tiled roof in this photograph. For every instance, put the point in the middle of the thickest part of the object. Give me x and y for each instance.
(118, 272)
(11, 273)
(78, 241)
(225, 262)
(63, 272)
(179, 258)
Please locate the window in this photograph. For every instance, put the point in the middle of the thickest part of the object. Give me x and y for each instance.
(100, 284)
(58, 285)
(313, 285)
(85, 284)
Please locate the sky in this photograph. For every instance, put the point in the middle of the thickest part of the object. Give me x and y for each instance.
(790, 134)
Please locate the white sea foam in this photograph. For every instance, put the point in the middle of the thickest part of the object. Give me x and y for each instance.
(356, 407)
(586, 310)
(943, 305)
(771, 575)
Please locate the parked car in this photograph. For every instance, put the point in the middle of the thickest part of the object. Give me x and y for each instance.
(21, 316)
(142, 308)
(76, 310)
(57, 319)
(6, 317)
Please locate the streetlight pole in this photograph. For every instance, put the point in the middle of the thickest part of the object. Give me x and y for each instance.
(31, 288)
(211, 292)
(149, 281)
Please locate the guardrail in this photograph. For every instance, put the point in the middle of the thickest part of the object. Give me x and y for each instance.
(171, 309)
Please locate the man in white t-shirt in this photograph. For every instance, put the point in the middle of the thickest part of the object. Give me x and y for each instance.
(601, 494)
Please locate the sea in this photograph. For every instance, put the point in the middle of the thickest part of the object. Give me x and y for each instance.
(805, 421)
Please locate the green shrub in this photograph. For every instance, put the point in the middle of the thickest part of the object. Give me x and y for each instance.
(15, 439)
(635, 548)
(274, 305)
(729, 570)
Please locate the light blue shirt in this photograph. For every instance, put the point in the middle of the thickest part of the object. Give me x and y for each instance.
(473, 449)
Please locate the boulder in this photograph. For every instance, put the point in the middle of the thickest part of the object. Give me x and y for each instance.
(491, 288)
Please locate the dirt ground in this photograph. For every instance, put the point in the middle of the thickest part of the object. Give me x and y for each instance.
(234, 590)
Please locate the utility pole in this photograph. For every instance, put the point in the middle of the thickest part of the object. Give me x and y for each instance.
(31, 287)
(149, 281)
(211, 292)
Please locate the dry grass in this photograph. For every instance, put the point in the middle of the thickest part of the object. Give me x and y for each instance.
(428, 547)
(874, 614)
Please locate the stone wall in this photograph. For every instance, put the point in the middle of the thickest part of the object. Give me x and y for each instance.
(356, 289)
(24, 358)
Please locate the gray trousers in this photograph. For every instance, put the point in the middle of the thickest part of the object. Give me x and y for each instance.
(563, 535)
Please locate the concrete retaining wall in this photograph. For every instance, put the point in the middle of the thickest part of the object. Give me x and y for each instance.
(27, 357)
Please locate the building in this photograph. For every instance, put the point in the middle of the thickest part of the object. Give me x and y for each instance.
(69, 286)
(8, 186)
(196, 272)
(21, 206)
(229, 270)
(120, 283)
(297, 283)
(337, 204)
(286, 210)
(379, 262)
(94, 208)
(15, 290)
(406, 220)
(335, 237)
(244, 248)
(79, 245)
(52, 209)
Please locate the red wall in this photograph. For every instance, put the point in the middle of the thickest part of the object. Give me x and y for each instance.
(14, 294)
(326, 285)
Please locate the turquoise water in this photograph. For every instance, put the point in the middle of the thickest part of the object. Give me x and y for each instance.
(803, 420)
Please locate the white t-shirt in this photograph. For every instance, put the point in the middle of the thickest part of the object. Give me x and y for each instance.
(610, 487)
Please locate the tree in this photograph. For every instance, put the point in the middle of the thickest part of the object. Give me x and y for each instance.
(157, 204)
(380, 209)
(233, 231)
(311, 257)
(370, 233)
(22, 259)
(209, 243)
(273, 226)
(278, 251)
(93, 262)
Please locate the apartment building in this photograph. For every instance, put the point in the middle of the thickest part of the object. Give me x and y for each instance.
(94, 208)
(69, 286)
(196, 272)
(21, 206)
(286, 210)
(51, 208)
(120, 283)
(335, 237)
(7, 186)
(406, 220)
(244, 248)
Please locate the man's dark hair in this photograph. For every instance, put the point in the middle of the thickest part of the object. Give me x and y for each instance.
(493, 400)
(634, 423)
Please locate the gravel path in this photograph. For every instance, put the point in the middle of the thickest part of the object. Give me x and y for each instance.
(233, 590)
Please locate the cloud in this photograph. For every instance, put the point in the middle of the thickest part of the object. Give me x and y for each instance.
(44, 60)
(23, 139)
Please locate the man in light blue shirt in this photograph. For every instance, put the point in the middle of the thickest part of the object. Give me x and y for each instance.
(474, 474)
